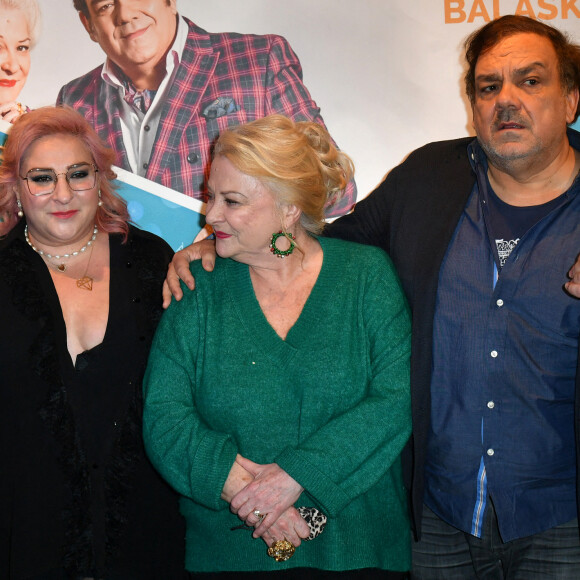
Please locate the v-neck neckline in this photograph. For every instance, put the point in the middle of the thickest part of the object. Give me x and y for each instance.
(110, 329)
(250, 313)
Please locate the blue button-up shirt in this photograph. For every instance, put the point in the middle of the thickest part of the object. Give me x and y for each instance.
(505, 351)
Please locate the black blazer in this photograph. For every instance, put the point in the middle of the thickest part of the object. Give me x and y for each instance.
(412, 215)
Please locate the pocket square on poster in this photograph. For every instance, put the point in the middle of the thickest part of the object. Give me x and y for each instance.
(220, 107)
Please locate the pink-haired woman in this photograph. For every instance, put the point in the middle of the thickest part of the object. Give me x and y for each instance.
(80, 292)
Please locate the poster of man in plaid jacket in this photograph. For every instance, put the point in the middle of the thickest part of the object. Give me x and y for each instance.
(168, 87)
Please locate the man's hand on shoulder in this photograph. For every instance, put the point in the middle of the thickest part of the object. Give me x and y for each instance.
(179, 269)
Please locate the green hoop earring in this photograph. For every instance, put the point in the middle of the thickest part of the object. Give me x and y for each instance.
(282, 253)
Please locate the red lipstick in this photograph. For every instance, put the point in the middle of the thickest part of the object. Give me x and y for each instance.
(64, 214)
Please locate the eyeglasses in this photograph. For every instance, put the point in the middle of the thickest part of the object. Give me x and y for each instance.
(79, 177)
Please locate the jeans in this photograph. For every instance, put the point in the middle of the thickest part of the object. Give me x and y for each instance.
(446, 553)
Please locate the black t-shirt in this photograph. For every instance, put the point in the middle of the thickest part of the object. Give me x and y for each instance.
(507, 224)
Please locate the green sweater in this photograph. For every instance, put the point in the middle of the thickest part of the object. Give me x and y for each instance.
(330, 405)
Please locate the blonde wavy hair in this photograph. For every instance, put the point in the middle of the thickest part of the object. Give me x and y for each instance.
(297, 161)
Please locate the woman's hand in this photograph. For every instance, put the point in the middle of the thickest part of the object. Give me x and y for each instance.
(271, 492)
(237, 479)
(11, 111)
(179, 269)
(289, 526)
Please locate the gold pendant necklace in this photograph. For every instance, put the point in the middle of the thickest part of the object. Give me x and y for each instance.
(85, 282)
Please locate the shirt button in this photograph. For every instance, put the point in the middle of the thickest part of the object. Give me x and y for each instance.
(490, 405)
(493, 354)
(490, 452)
(500, 302)
(192, 158)
(145, 165)
(147, 128)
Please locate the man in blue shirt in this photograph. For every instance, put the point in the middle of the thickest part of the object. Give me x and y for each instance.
(483, 232)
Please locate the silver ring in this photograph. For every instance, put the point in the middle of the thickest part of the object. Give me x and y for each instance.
(259, 514)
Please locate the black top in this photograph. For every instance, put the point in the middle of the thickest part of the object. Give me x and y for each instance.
(77, 493)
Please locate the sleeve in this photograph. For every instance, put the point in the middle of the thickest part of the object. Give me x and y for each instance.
(348, 455)
(80, 92)
(287, 95)
(194, 459)
(69, 93)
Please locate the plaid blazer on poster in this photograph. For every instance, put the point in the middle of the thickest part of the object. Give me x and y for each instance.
(262, 75)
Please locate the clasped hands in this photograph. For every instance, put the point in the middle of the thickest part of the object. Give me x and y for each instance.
(271, 491)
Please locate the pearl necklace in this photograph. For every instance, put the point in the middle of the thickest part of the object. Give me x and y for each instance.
(61, 267)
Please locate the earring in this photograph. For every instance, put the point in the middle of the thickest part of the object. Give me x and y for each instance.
(282, 253)
(100, 204)
(20, 212)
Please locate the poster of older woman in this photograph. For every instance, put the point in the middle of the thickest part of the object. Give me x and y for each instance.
(19, 29)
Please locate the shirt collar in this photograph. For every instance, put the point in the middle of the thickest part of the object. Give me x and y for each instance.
(477, 157)
(172, 60)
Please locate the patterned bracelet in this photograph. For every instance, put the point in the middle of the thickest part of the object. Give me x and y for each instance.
(315, 519)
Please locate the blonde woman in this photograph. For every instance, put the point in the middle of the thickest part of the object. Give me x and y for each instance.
(282, 382)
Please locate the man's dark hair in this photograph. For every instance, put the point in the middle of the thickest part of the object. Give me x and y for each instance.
(81, 6)
(484, 39)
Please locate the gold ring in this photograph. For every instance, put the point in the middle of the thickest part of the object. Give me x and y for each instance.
(281, 550)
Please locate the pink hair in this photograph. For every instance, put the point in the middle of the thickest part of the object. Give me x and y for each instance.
(112, 216)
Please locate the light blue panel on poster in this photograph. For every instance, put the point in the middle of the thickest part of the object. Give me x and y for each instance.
(160, 210)
(4, 128)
